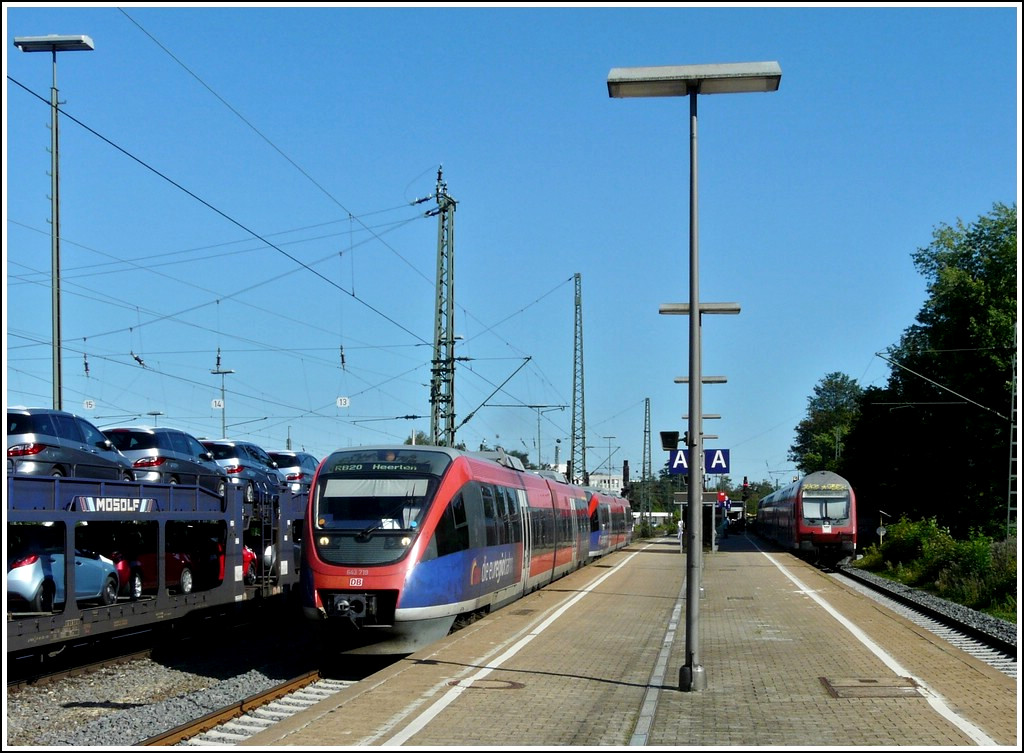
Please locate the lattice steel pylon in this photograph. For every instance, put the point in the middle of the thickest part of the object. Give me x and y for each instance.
(645, 468)
(577, 467)
(442, 367)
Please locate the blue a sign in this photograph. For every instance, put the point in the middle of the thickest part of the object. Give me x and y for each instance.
(715, 461)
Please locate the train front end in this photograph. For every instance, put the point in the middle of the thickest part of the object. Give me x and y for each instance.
(365, 533)
(828, 516)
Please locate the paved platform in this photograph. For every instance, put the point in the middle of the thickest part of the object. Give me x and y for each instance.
(790, 657)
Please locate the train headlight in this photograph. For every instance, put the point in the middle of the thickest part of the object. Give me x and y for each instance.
(324, 540)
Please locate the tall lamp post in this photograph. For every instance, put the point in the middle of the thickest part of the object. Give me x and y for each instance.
(53, 44)
(678, 81)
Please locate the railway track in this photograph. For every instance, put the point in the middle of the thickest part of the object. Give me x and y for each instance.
(24, 678)
(964, 628)
(232, 724)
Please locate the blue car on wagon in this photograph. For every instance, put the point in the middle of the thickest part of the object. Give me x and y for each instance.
(35, 579)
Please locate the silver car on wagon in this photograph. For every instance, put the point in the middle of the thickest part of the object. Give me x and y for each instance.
(49, 442)
(164, 455)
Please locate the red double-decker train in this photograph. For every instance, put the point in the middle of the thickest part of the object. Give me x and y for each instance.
(403, 541)
(815, 516)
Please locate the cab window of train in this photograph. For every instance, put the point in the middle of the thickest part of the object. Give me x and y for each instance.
(829, 508)
(390, 503)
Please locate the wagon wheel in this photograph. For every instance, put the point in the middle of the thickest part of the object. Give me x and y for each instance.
(186, 583)
(135, 585)
(109, 593)
(43, 602)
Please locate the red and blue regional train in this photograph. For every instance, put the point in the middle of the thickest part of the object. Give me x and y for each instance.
(402, 541)
(815, 516)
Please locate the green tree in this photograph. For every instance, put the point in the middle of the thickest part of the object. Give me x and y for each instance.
(936, 440)
(831, 412)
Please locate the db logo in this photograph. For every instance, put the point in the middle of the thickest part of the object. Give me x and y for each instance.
(355, 582)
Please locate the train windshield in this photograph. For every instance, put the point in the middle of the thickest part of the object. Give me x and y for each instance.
(377, 490)
(826, 506)
(372, 503)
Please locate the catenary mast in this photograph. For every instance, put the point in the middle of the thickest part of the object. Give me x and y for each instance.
(442, 367)
(577, 469)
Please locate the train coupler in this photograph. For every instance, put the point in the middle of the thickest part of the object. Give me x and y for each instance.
(358, 608)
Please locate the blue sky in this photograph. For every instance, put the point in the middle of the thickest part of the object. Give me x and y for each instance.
(241, 178)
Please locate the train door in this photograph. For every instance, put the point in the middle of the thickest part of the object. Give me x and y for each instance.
(527, 538)
(581, 524)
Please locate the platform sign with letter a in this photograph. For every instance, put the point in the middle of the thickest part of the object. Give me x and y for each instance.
(715, 461)
(677, 461)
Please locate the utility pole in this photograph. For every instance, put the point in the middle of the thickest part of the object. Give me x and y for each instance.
(577, 469)
(540, 409)
(645, 467)
(223, 404)
(442, 367)
(610, 473)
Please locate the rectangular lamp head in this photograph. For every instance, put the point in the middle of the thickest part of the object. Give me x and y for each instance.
(679, 80)
(54, 43)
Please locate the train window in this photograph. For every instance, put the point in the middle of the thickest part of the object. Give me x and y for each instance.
(834, 509)
(357, 503)
(453, 530)
(583, 520)
(487, 496)
(499, 503)
(516, 501)
(512, 503)
(501, 511)
(512, 526)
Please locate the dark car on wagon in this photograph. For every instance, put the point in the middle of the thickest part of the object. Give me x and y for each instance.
(247, 465)
(164, 455)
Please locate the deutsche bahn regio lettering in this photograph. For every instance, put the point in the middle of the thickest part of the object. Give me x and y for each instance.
(496, 569)
(113, 504)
